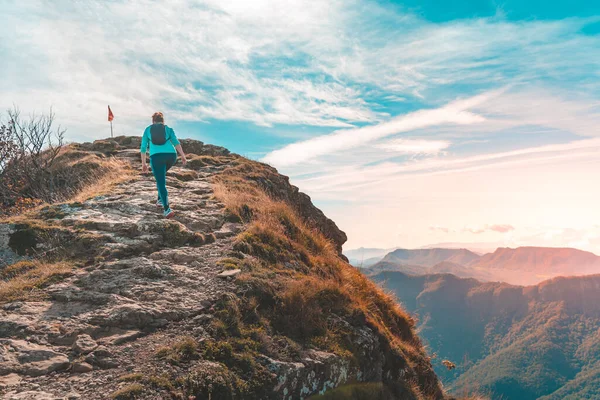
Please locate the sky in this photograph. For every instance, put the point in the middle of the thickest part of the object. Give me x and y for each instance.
(409, 123)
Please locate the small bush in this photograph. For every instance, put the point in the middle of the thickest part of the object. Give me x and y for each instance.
(303, 305)
(214, 381)
(227, 312)
(239, 355)
(133, 377)
(28, 150)
(185, 349)
(130, 392)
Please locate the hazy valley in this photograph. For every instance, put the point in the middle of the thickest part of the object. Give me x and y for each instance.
(540, 341)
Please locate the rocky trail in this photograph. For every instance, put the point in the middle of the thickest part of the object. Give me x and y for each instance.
(109, 318)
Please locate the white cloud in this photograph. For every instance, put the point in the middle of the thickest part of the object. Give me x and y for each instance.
(414, 146)
(195, 60)
(266, 62)
(347, 178)
(453, 113)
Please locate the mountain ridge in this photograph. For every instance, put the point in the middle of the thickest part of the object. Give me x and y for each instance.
(527, 342)
(525, 265)
(121, 303)
(551, 258)
(430, 257)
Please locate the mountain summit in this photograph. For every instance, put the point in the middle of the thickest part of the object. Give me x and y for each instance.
(244, 295)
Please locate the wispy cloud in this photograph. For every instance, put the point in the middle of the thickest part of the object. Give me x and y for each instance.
(269, 62)
(200, 61)
(453, 113)
(501, 228)
(476, 230)
(439, 228)
(414, 146)
(349, 178)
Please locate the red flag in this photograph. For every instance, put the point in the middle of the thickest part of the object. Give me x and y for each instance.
(110, 114)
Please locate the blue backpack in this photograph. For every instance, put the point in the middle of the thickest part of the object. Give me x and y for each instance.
(158, 134)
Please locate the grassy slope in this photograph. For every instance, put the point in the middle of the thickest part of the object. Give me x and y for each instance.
(296, 281)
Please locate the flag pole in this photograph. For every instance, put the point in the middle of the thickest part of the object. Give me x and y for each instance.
(110, 118)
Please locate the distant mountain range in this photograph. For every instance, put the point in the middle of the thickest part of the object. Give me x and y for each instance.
(511, 342)
(358, 256)
(430, 257)
(366, 256)
(522, 265)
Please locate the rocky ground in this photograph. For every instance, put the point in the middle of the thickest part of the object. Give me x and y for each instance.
(108, 318)
(157, 309)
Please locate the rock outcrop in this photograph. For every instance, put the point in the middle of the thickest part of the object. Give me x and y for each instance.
(146, 309)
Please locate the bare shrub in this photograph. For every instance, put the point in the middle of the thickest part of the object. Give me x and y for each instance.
(8, 146)
(28, 151)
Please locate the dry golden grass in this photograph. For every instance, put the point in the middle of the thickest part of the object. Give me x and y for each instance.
(471, 392)
(22, 280)
(297, 280)
(321, 279)
(92, 176)
(196, 161)
(129, 392)
(112, 173)
(278, 234)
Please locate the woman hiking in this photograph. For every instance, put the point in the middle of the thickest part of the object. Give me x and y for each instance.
(164, 147)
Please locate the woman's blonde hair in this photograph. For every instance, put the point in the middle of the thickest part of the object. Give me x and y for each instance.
(158, 118)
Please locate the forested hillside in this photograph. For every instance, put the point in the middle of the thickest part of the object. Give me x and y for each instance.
(513, 342)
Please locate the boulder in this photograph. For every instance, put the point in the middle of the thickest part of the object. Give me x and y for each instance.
(20, 356)
(84, 344)
(101, 358)
(82, 367)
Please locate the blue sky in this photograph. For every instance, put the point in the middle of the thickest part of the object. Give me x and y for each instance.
(408, 122)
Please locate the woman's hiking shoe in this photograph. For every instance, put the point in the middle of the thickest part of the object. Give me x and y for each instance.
(159, 203)
(169, 213)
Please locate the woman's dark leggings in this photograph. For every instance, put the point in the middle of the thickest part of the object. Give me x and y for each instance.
(161, 163)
